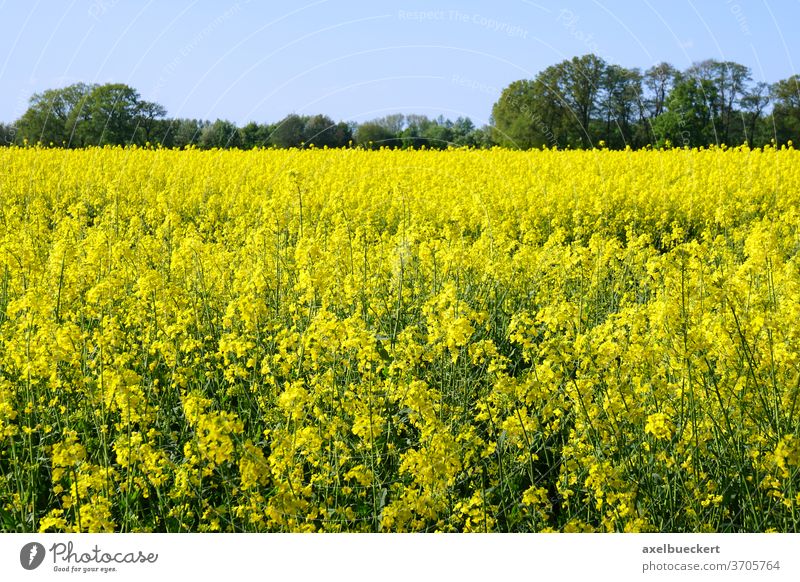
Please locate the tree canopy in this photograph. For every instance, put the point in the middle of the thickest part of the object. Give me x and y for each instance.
(578, 103)
(585, 102)
(81, 114)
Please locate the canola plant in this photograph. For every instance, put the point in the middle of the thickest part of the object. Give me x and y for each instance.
(349, 340)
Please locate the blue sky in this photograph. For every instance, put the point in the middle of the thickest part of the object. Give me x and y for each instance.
(356, 60)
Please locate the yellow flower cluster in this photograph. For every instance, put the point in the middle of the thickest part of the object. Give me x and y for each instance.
(348, 340)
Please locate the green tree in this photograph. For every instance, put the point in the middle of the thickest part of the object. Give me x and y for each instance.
(182, 132)
(322, 131)
(754, 103)
(149, 118)
(82, 115)
(254, 135)
(413, 136)
(582, 81)
(343, 134)
(517, 115)
(439, 134)
(729, 82)
(464, 132)
(657, 83)
(620, 105)
(559, 107)
(786, 109)
(288, 132)
(480, 137)
(51, 115)
(220, 134)
(8, 134)
(373, 135)
(393, 123)
(110, 115)
(688, 119)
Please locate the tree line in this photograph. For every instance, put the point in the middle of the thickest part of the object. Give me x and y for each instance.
(83, 115)
(586, 102)
(578, 103)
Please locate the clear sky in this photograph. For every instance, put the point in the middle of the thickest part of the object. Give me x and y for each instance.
(356, 60)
